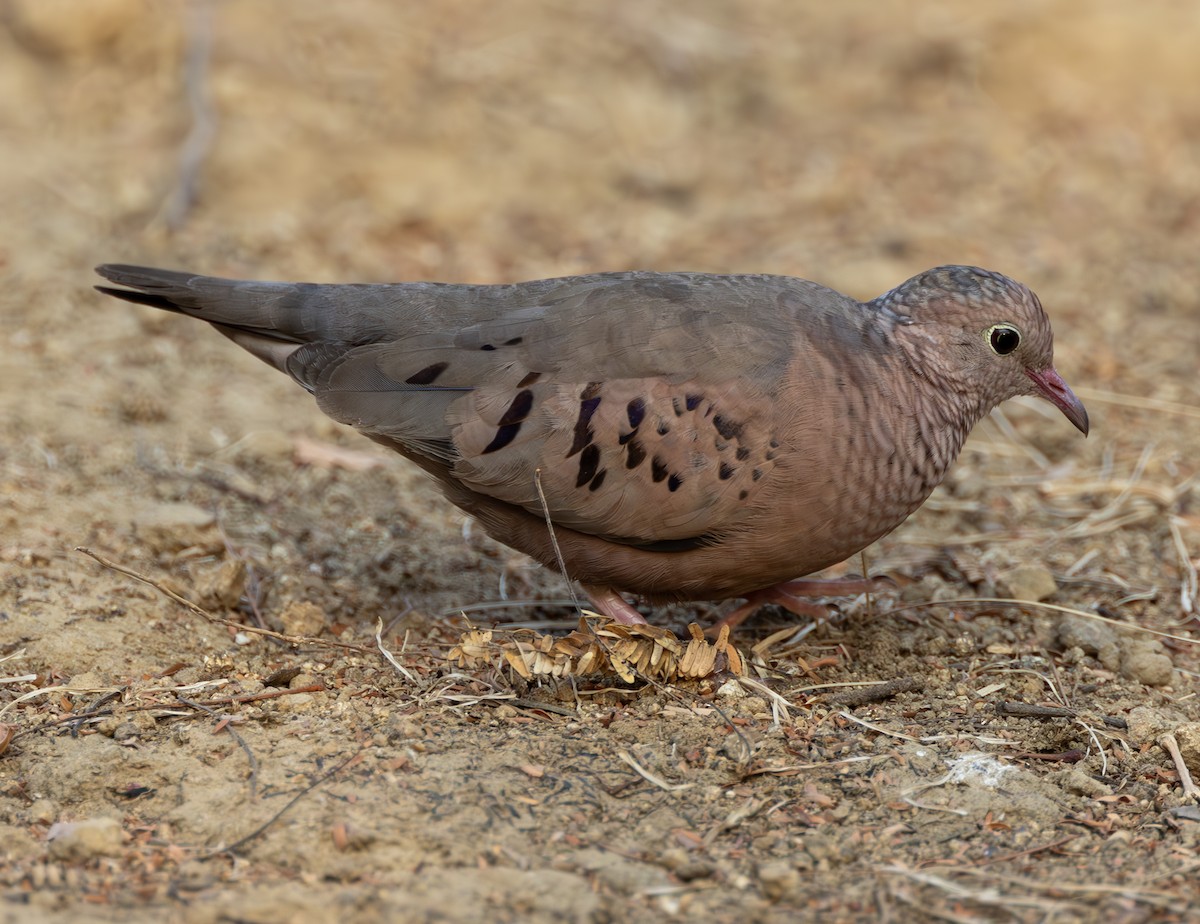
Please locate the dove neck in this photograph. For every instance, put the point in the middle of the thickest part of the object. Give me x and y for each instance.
(945, 412)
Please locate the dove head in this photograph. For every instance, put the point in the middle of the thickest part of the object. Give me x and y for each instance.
(981, 333)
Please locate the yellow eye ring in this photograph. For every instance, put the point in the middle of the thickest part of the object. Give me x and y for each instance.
(1002, 338)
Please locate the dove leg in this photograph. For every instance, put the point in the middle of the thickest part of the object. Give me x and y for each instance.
(790, 595)
(611, 604)
(760, 598)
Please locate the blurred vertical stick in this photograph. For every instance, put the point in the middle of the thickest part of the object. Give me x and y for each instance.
(199, 33)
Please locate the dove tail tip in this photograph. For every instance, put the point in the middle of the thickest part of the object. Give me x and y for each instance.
(139, 298)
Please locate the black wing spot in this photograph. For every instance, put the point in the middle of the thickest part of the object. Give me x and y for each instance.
(658, 469)
(589, 464)
(636, 411)
(598, 480)
(504, 436)
(742, 495)
(624, 438)
(663, 427)
(678, 406)
(756, 474)
(673, 483)
(693, 401)
(727, 428)
(589, 400)
(726, 471)
(511, 420)
(521, 405)
(529, 379)
(514, 341)
(634, 454)
(487, 348)
(428, 375)
(742, 453)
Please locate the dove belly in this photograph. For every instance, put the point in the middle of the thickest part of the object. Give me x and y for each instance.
(833, 488)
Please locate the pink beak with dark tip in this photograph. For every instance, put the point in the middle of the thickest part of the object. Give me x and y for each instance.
(1050, 386)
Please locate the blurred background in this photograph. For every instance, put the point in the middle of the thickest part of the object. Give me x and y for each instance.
(472, 140)
(1055, 141)
(853, 143)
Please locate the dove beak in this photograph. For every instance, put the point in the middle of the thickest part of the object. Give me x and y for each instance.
(1049, 385)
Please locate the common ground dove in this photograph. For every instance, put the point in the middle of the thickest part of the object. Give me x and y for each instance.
(689, 436)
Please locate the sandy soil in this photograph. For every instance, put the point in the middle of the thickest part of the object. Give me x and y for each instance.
(164, 767)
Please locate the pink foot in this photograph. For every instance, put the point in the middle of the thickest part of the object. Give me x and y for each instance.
(611, 604)
(789, 594)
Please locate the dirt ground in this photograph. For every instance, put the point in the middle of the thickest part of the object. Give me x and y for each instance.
(929, 755)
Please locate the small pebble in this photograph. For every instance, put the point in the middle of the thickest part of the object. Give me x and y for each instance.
(731, 689)
(1188, 736)
(169, 527)
(1076, 781)
(193, 875)
(301, 617)
(347, 836)
(83, 840)
(222, 587)
(1145, 661)
(1028, 582)
(42, 811)
(1089, 634)
(1146, 723)
(778, 879)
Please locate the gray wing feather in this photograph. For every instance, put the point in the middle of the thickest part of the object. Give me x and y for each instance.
(433, 369)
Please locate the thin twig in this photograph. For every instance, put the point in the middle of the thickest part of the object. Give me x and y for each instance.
(562, 565)
(537, 705)
(789, 769)
(506, 604)
(225, 726)
(990, 897)
(296, 640)
(1095, 738)
(1143, 404)
(388, 656)
(1033, 710)
(650, 777)
(779, 704)
(876, 692)
(150, 707)
(243, 841)
(878, 728)
(1188, 586)
(1090, 524)
(1003, 424)
(1052, 607)
(1190, 790)
(204, 121)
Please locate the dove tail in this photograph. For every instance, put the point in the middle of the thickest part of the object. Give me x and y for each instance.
(242, 311)
(165, 289)
(140, 298)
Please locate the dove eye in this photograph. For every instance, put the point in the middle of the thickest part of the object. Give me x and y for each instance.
(1003, 338)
